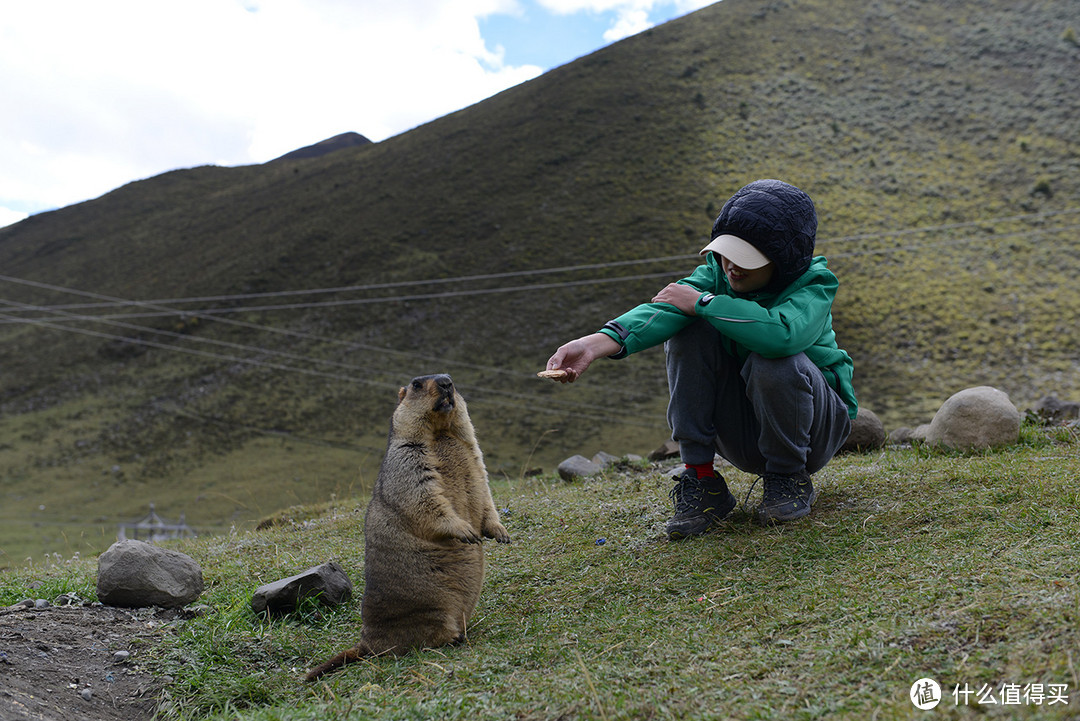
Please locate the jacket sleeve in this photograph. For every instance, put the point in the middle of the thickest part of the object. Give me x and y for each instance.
(650, 324)
(788, 327)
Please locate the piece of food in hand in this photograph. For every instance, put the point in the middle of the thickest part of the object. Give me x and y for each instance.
(557, 374)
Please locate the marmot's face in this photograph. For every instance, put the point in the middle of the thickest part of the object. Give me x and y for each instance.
(435, 392)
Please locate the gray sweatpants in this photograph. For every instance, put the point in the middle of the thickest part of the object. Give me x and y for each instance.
(767, 415)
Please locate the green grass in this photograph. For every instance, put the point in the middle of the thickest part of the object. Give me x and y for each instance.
(937, 140)
(915, 562)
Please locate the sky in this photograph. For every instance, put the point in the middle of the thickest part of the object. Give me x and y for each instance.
(94, 95)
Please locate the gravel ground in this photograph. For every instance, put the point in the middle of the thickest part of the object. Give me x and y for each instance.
(77, 662)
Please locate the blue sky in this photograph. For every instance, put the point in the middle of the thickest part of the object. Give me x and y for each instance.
(527, 39)
(98, 94)
(538, 36)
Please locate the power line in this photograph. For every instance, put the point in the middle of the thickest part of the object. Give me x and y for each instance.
(352, 345)
(171, 312)
(63, 315)
(216, 313)
(562, 407)
(202, 354)
(210, 313)
(213, 313)
(504, 275)
(367, 287)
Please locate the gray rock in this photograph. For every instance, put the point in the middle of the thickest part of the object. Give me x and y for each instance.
(1051, 409)
(975, 418)
(137, 574)
(576, 467)
(903, 434)
(669, 449)
(920, 432)
(328, 582)
(604, 459)
(867, 432)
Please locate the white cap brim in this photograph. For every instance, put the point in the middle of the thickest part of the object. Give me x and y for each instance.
(738, 251)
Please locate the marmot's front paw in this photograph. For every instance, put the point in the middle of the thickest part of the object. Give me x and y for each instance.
(465, 533)
(498, 532)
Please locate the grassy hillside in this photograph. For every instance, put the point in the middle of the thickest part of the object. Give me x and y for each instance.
(938, 140)
(914, 564)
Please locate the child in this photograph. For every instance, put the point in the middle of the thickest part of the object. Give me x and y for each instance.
(753, 365)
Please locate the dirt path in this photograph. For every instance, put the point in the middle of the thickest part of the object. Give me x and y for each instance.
(60, 663)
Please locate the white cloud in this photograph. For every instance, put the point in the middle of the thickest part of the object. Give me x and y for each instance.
(9, 216)
(629, 21)
(630, 17)
(97, 94)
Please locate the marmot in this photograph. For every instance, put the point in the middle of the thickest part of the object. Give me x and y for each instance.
(429, 513)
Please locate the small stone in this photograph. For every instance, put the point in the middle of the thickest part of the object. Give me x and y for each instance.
(901, 435)
(121, 656)
(577, 467)
(87, 694)
(41, 603)
(604, 459)
(669, 449)
(328, 582)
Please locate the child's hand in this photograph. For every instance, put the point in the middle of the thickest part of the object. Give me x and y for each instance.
(681, 296)
(576, 356)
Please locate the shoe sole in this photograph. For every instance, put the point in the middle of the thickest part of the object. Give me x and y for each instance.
(766, 518)
(713, 519)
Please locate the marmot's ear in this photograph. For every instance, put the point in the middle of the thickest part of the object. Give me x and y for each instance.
(401, 394)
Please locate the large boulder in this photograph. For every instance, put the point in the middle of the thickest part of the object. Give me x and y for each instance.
(137, 574)
(328, 583)
(867, 433)
(975, 418)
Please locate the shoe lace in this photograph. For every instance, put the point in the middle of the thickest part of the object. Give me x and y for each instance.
(686, 494)
(746, 498)
(780, 488)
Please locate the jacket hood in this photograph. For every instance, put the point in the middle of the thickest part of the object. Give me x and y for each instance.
(776, 218)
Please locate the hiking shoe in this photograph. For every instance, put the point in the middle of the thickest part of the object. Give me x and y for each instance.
(786, 498)
(699, 504)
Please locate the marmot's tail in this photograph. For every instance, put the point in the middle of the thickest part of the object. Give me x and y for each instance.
(353, 654)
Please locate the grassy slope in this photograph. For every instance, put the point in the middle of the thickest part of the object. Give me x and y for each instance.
(914, 564)
(949, 116)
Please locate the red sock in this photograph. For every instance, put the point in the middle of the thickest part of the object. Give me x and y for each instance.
(703, 470)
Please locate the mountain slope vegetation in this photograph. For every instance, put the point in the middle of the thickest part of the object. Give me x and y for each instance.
(227, 342)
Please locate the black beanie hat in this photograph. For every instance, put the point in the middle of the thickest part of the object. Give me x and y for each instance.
(776, 218)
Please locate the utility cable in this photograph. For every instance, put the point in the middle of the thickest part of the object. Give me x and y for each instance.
(532, 272)
(351, 345)
(563, 407)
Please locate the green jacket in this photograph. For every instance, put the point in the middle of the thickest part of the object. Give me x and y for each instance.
(797, 319)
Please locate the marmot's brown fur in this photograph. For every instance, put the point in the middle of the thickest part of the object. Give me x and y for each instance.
(430, 510)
